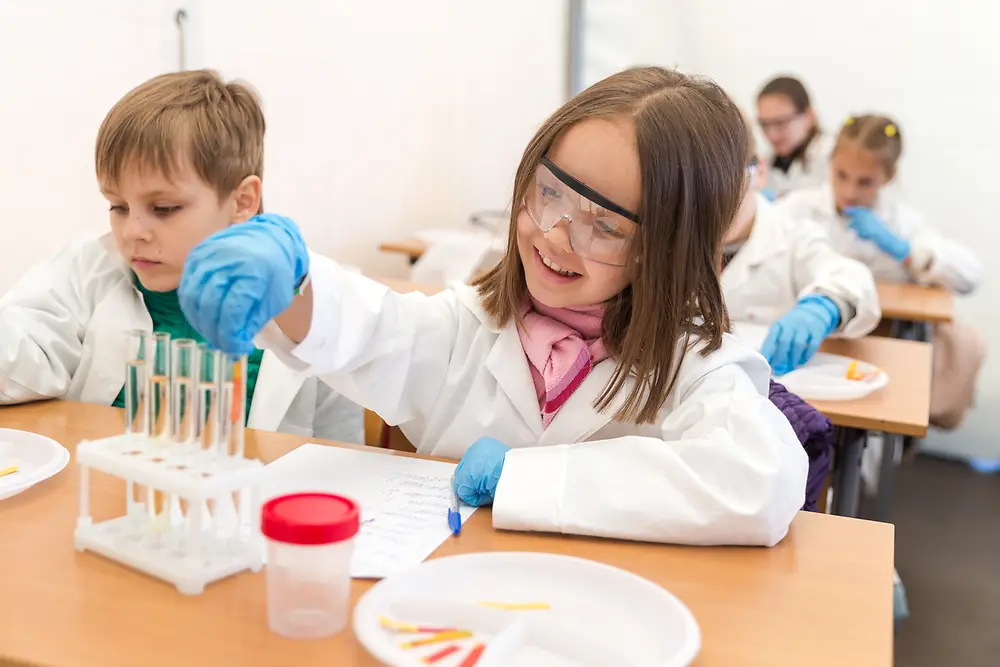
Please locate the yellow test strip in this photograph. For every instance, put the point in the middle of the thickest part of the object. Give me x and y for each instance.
(8, 471)
(439, 637)
(516, 606)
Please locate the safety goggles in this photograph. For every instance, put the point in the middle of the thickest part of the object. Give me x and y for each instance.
(599, 229)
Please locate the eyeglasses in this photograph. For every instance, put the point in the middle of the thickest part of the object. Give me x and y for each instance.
(753, 168)
(599, 229)
(777, 123)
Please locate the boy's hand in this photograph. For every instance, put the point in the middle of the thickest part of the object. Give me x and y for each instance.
(237, 280)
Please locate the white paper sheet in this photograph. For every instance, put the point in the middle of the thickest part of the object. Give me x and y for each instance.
(404, 501)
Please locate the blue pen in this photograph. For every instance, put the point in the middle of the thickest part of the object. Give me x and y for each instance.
(454, 517)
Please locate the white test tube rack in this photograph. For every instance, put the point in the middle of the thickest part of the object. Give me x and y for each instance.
(205, 526)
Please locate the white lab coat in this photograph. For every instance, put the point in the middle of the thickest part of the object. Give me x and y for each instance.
(63, 334)
(785, 259)
(935, 259)
(721, 465)
(812, 173)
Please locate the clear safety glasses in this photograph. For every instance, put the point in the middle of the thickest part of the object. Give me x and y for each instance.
(599, 229)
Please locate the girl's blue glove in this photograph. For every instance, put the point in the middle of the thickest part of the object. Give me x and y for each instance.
(237, 280)
(479, 471)
(795, 338)
(870, 227)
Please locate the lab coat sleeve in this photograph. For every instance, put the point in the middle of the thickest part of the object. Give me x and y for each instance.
(937, 260)
(726, 469)
(819, 269)
(42, 322)
(385, 351)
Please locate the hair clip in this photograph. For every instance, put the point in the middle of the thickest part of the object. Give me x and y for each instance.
(890, 130)
(849, 120)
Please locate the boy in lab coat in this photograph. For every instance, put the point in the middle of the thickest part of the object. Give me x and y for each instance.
(780, 271)
(178, 158)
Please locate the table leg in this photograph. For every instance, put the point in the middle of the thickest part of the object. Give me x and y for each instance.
(413, 260)
(847, 489)
(887, 471)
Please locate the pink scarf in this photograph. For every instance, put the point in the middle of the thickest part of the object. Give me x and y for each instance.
(562, 345)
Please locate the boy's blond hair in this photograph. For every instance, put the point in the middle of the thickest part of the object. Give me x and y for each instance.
(193, 115)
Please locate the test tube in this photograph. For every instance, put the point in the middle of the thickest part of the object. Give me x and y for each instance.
(158, 402)
(184, 402)
(136, 415)
(208, 422)
(233, 401)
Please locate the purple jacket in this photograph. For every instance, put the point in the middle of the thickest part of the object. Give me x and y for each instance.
(814, 431)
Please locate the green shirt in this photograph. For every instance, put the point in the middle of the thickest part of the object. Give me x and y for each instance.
(165, 310)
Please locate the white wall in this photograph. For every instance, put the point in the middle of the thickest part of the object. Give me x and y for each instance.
(386, 117)
(64, 63)
(933, 65)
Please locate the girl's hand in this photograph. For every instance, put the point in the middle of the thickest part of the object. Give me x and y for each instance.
(870, 227)
(479, 471)
(237, 280)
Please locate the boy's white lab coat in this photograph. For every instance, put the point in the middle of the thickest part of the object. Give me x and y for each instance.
(801, 175)
(935, 259)
(787, 258)
(721, 465)
(63, 334)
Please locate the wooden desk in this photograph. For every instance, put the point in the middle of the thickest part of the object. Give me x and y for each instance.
(413, 248)
(767, 607)
(903, 406)
(915, 303)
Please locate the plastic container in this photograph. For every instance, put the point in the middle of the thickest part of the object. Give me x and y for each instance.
(309, 543)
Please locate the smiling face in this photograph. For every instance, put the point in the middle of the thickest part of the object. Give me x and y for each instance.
(156, 220)
(601, 153)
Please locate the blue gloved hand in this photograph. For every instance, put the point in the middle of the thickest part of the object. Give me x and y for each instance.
(769, 194)
(479, 471)
(870, 227)
(237, 280)
(794, 339)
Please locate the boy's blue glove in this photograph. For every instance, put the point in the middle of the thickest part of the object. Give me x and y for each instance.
(479, 471)
(237, 280)
(870, 227)
(795, 338)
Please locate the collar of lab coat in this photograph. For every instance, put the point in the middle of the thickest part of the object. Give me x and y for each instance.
(763, 243)
(577, 419)
(277, 385)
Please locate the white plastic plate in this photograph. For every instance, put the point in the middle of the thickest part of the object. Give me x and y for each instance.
(822, 378)
(599, 616)
(37, 458)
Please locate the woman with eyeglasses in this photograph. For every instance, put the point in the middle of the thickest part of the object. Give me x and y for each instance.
(781, 271)
(800, 152)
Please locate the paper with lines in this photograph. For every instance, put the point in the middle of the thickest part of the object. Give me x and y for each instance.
(404, 501)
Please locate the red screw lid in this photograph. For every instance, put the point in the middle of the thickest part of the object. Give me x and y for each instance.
(310, 518)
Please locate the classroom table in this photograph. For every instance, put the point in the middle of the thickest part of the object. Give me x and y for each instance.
(412, 247)
(915, 303)
(830, 577)
(901, 409)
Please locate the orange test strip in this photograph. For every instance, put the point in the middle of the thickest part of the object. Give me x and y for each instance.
(440, 655)
(435, 638)
(472, 657)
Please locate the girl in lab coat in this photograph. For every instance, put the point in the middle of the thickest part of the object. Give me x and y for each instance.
(868, 221)
(586, 382)
(64, 326)
(800, 150)
(781, 271)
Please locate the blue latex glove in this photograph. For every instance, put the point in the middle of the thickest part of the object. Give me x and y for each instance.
(794, 339)
(870, 227)
(237, 280)
(479, 471)
(769, 194)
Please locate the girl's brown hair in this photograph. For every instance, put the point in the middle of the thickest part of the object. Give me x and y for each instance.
(877, 134)
(693, 153)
